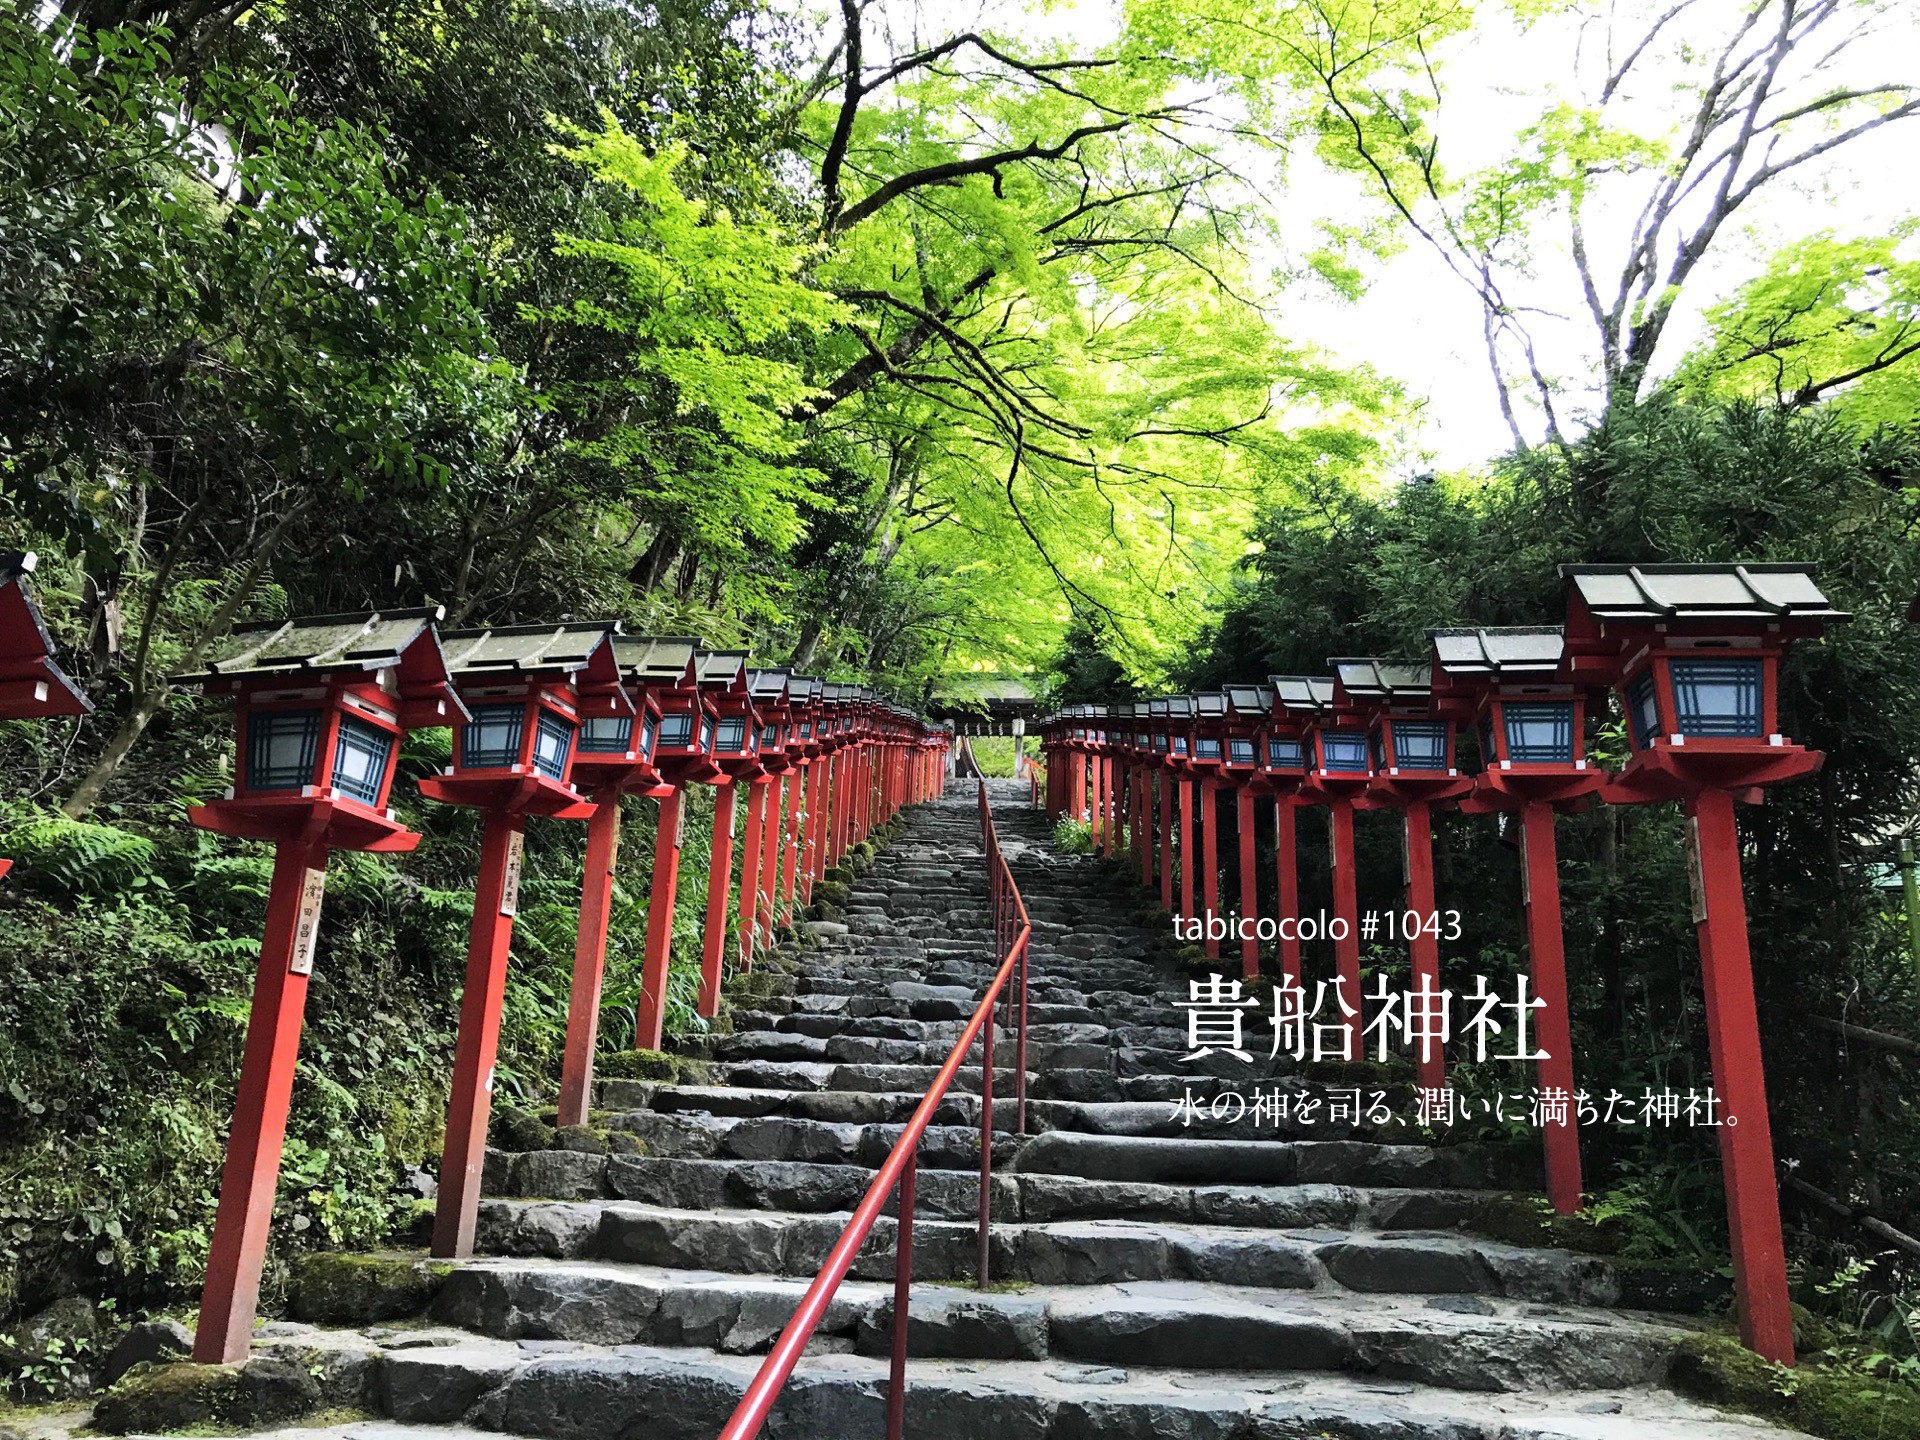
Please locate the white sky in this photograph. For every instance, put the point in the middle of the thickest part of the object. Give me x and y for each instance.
(1418, 322)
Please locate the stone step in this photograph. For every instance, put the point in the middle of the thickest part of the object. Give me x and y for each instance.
(569, 1390)
(1061, 1252)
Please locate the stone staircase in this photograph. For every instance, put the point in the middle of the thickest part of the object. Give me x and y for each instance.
(1156, 1275)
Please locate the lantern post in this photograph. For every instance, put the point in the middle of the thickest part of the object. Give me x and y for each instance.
(1248, 707)
(32, 686)
(1531, 723)
(513, 758)
(768, 689)
(1161, 715)
(1283, 769)
(1694, 653)
(721, 678)
(1208, 766)
(613, 756)
(1338, 773)
(1410, 748)
(320, 705)
(683, 753)
(1140, 767)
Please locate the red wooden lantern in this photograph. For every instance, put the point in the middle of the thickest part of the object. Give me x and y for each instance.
(613, 756)
(1339, 770)
(772, 693)
(1247, 709)
(1160, 727)
(523, 687)
(1137, 747)
(1208, 766)
(805, 694)
(1531, 724)
(1410, 749)
(32, 687)
(1297, 700)
(320, 707)
(1694, 652)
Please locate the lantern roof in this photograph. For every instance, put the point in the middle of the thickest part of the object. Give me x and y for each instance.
(804, 689)
(1253, 701)
(724, 670)
(320, 644)
(1305, 693)
(1384, 682)
(569, 647)
(1210, 704)
(1158, 707)
(1514, 652)
(770, 687)
(657, 659)
(1652, 593)
(1180, 707)
(26, 649)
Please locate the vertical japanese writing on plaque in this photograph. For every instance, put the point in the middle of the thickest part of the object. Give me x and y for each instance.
(1696, 877)
(510, 881)
(306, 924)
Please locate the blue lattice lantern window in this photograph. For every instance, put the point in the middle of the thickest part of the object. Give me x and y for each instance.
(1677, 698)
(1285, 753)
(1402, 743)
(339, 750)
(1342, 752)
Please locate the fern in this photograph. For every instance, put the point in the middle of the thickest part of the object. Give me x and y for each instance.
(78, 857)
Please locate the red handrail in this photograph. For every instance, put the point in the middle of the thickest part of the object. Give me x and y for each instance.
(1012, 931)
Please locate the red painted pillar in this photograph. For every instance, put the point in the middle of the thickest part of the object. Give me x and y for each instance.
(464, 1154)
(1166, 840)
(650, 1022)
(1346, 906)
(719, 893)
(842, 803)
(1249, 883)
(823, 818)
(1188, 849)
(1210, 859)
(1288, 906)
(252, 1170)
(770, 853)
(1116, 787)
(1143, 824)
(790, 862)
(589, 960)
(1097, 800)
(1423, 944)
(1077, 786)
(750, 866)
(1546, 951)
(1733, 1038)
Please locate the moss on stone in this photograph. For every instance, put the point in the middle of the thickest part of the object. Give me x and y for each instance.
(640, 1065)
(518, 1130)
(1833, 1402)
(583, 1139)
(330, 1288)
(207, 1399)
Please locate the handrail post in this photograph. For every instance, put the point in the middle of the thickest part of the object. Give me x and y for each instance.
(902, 1287)
(986, 1145)
(1020, 1048)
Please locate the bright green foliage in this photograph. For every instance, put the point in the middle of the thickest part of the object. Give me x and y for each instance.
(1831, 318)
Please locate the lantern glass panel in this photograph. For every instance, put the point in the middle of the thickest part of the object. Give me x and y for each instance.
(1179, 744)
(1240, 752)
(1420, 744)
(1717, 698)
(281, 748)
(1643, 709)
(552, 739)
(676, 729)
(1143, 742)
(491, 740)
(1344, 752)
(1377, 750)
(1284, 754)
(1539, 732)
(706, 734)
(733, 735)
(769, 736)
(606, 735)
(1207, 749)
(1489, 754)
(647, 728)
(1160, 743)
(360, 759)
